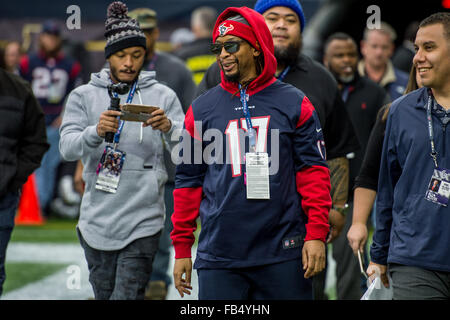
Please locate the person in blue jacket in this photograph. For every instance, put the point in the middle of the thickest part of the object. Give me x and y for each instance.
(412, 237)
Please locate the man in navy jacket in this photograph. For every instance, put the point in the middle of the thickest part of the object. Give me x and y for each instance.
(251, 247)
(412, 233)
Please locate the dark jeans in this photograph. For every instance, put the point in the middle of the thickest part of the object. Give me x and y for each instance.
(8, 208)
(121, 274)
(279, 281)
(412, 283)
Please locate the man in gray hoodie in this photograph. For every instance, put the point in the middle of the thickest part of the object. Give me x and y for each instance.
(119, 228)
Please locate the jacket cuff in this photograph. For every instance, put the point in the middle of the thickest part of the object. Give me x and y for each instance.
(182, 250)
(174, 125)
(378, 256)
(317, 231)
(382, 261)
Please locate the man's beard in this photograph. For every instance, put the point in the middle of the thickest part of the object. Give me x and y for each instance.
(341, 79)
(114, 72)
(233, 77)
(259, 62)
(288, 56)
(346, 80)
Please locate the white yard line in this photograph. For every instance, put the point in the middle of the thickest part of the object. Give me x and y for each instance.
(71, 283)
(44, 252)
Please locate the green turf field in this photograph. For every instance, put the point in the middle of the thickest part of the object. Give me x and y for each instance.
(54, 231)
(19, 274)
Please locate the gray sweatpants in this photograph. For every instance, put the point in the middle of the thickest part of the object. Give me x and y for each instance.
(121, 274)
(412, 283)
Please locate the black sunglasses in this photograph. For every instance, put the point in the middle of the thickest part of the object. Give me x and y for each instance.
(230, 47)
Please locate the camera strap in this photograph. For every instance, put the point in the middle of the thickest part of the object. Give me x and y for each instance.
(121, 122)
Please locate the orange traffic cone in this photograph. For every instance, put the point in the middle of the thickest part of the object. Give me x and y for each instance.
(29, 209)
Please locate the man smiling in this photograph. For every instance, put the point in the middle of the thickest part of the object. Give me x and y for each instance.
(286, 22)
(255, 225)
(411, 236)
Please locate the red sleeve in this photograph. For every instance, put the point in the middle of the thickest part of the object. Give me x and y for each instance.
(306, 113)
(24, 65)
(186, 210)
(76, 69)
(189, 124)
(313, 184)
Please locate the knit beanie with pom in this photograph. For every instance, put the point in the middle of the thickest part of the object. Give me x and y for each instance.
(121, 31)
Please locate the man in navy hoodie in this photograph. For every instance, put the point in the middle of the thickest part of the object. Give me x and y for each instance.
(412, 235)
(263, 231)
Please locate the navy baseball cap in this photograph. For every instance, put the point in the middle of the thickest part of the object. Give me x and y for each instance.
(51, 27)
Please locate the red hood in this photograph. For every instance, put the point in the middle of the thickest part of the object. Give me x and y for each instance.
(264, 38)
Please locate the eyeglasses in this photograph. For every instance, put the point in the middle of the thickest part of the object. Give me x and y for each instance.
(230, 47)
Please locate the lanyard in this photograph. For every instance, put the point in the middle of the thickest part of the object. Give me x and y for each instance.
(121, 122)
(433, 153)
(284, 73)
(248, 119)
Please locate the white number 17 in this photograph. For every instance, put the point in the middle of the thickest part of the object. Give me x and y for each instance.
(261, 125)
